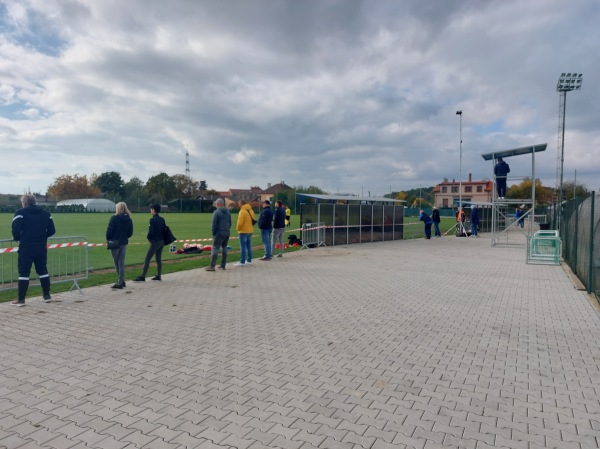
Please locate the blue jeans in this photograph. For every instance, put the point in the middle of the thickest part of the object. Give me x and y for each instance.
(265, 235)
(473, 228)
(428, 230)
(436, 227)
(246, 247)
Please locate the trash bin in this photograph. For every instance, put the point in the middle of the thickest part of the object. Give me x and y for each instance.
(544, 226)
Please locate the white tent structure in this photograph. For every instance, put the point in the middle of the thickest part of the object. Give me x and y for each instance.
(90, 204)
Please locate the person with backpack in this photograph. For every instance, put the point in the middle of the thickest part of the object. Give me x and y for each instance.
(265, 224)
(156, 237)
(245, 227)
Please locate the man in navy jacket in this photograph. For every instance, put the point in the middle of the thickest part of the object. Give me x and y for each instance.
(31, 227)
(265, 224)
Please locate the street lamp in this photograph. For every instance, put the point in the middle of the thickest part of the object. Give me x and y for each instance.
(566, 83)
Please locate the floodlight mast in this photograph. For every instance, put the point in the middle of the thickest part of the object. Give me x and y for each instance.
(460, 164)
(566, 83)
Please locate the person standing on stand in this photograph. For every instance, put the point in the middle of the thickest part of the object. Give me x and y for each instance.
(435, 217)
(245, 227)
(221, 226)
(474, 220)
(156, 237)
(120, 228)
(501, 170)
(428, 222)
(31, 227)
(278, 228)
(265, 224)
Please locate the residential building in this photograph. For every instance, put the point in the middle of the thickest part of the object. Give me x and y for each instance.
(447, 193)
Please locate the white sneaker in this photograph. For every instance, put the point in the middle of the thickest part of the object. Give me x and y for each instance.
(239, 264)
(248, 263)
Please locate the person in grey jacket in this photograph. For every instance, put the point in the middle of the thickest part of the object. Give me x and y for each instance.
(221, 226)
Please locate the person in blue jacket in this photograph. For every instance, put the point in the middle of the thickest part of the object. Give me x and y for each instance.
(501, 170)
(265, 224)
(31, 227)
(120, 228)
(428, 222)
(435, 217)
(474, 220)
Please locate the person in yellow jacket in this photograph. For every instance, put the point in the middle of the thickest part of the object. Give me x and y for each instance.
(288, 216)
(245, 227)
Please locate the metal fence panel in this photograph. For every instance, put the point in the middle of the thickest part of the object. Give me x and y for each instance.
(67, 262)
(580, 233)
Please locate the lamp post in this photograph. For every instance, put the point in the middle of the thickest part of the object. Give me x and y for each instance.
(566, 83)
(460, 165)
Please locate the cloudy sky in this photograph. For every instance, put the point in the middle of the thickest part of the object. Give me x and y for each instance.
(349, 95)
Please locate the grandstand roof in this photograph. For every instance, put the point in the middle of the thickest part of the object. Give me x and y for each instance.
(349, 198)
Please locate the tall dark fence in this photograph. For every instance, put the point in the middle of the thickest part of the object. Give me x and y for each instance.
(580, 234)
(355, 223)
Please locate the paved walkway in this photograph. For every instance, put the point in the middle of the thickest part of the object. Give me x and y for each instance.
(438, 343)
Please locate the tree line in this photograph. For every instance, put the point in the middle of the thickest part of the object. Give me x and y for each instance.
(110, 185)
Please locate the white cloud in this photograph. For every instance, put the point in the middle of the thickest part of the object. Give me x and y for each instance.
(243, 156)
(350, 96)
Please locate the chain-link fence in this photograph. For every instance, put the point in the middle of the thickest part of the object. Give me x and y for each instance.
(580, 233)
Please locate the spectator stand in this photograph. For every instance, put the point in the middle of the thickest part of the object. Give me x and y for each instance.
(349, 219)
(504, 226)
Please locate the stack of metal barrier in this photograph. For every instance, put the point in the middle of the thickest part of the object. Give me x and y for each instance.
(544, 247)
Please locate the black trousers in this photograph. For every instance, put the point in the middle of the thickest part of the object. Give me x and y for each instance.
(38, 257)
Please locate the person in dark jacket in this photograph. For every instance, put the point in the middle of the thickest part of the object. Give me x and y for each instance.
(120, 228)
(435, 217)
(428, 222)
(265, 224)
(156, 237)
(278, 228)
(31, 227)
(501, 170)
(474, 220)
(221, 229)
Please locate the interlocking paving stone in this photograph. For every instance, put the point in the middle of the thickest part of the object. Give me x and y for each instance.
(420, 344)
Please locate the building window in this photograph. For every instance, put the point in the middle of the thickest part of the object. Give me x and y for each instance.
(479, 189)
(468, 189)
(445, 202)
(444, 189)
(454, 189)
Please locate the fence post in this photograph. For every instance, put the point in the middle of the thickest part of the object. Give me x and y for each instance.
(591, 249)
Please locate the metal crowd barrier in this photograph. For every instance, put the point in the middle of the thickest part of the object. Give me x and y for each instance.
(544, 247)
(313, 235)
(67, 262)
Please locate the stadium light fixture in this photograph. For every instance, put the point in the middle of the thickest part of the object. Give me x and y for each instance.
(567, 82)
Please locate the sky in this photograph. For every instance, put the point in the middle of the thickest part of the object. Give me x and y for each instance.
(351, 96)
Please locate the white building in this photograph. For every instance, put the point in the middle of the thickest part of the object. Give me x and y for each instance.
(90, 204)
